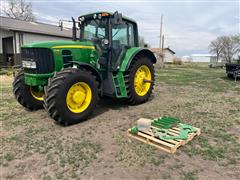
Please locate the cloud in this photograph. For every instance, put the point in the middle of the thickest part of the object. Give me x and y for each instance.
(45, 18)
(189, 26)
(3, 5)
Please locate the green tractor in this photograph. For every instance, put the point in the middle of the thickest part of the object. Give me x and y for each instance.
(68, 77)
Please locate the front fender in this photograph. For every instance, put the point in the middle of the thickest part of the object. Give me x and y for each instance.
(89, 68)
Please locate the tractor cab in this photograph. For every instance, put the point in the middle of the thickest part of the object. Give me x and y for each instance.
(112, 35)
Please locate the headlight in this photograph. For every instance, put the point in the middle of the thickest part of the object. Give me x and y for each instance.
(29, 64)
(82, 18)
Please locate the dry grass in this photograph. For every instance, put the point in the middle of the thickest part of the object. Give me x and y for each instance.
(33, 146)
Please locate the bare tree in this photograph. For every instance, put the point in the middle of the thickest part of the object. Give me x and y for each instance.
(236, 46)
(19, 9)
(230, 47)
(215, 47)
(226, 47)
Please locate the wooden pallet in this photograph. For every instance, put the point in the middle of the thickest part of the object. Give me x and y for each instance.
(169, 146)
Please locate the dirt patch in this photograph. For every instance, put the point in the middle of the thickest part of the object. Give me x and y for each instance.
(35, 146)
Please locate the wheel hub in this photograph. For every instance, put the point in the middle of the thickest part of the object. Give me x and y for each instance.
(37, 93)
(79, 97)
(141, 80)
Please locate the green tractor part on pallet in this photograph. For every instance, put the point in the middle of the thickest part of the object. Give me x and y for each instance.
(160, 128)
(68, 77)
(134, 130)
(165, 122)
(146, 125)
(185, 129)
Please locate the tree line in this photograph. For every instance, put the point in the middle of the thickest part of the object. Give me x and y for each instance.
(226, 48)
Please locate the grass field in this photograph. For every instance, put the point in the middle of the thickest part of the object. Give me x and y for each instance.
(34, 147)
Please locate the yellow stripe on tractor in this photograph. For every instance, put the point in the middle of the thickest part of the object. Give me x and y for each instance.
(73, 46)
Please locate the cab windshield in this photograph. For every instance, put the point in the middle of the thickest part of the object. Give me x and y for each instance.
(94, 29)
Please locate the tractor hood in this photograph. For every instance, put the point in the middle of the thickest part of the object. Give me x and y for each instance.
(61, 44)
(65, 51)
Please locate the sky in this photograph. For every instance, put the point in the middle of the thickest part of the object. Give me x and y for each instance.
(188, 26)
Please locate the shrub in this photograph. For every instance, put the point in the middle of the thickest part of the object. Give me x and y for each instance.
(177, 61)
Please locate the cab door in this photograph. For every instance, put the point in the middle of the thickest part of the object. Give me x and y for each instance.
(122, 38)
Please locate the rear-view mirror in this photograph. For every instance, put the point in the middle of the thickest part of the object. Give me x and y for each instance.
(117, 18)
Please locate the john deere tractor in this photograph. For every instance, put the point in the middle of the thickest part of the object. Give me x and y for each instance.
(68, 77)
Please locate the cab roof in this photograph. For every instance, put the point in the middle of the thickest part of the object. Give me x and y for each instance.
(109, 13)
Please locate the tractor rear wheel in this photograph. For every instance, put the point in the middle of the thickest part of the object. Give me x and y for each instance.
(140, 80)
(28, 96)
(71, 95)
(230, 76)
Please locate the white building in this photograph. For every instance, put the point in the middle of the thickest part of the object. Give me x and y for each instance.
(202, 57)
(186, 59)
(167, 55)
(14, 33)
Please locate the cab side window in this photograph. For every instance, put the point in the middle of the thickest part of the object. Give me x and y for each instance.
(123, 34)
(119, 34)
(131, 35)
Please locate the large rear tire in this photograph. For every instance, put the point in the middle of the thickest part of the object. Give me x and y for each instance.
(71, 96)
(140, 81)
(230, 76)
(28, 96)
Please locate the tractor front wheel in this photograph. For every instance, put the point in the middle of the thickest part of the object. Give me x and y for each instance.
(140, 80)
(71, 95)
(28, 96)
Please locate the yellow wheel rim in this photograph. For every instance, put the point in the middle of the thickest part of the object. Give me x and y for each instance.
(142, 80)
(79, 97)
(36, 94)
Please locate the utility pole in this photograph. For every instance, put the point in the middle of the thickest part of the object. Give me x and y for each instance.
(163, 50)
(161, 27)
(161, 41)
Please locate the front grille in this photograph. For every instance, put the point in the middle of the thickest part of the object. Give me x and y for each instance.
(43, 58)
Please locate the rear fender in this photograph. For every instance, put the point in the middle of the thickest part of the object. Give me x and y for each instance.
(133, 52)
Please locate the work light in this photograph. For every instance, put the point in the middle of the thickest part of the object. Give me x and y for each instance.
(29, 64)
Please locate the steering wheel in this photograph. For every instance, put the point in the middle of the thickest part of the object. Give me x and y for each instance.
(100, 41)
